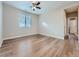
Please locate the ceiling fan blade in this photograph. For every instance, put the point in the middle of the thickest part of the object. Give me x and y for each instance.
(38, 7)
(38, 3)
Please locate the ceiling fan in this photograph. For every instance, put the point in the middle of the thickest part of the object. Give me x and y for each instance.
(35, 5)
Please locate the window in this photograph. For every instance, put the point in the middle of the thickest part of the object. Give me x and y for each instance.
(25, 21)
(28, 21)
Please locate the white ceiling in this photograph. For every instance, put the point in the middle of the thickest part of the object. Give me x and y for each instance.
(45, 5)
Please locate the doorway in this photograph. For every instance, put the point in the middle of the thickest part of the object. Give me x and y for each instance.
(72, 23)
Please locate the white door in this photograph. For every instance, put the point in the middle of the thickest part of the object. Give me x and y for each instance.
(72, 25)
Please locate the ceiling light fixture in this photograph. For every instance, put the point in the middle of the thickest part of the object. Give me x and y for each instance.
(35, 5)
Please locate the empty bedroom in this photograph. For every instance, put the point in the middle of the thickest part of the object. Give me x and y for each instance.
(39, 28)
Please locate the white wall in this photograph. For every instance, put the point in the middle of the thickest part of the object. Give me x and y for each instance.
(10, 21)
(0, 23)
(52, 23)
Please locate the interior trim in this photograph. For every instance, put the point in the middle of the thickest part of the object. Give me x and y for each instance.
(52, 36)
(17, 36)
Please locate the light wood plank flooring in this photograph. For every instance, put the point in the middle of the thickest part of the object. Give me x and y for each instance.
(36, 46)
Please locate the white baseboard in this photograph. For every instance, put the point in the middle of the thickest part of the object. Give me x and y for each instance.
(53, 36)
(17, 36)
(34, 34)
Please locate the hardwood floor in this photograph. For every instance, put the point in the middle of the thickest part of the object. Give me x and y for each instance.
(36, 46)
